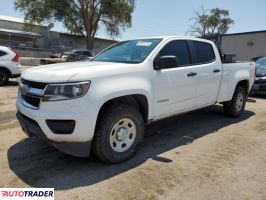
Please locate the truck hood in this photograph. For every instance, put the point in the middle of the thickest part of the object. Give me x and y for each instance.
(64, 72)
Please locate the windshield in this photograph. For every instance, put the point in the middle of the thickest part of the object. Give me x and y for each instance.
(132, 51)
(261, 66)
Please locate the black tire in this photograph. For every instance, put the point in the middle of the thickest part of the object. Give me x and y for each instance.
(231, 108)
(101, 141)
(43, 62)
(4, 77)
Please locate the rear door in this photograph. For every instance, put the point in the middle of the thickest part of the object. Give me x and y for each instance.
(175, 88)
(209, 72)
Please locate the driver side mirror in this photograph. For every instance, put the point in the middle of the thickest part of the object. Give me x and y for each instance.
(166, 62)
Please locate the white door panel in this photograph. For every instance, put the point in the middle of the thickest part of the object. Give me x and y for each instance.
(209, 72)
(209, 82)
(174, 90)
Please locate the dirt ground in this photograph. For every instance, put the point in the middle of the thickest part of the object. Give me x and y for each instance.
(199, 155)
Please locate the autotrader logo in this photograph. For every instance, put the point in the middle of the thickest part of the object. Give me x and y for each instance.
(27, 193)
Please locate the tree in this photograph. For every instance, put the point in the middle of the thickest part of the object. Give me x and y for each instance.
(206, 23)
(81, 17)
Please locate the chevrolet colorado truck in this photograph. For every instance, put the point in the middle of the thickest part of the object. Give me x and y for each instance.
(104, 104)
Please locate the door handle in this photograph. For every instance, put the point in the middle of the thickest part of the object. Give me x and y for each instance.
(216, 70)
(192, 74)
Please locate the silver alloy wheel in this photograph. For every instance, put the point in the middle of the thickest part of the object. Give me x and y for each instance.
(123, 135)
(239, 102)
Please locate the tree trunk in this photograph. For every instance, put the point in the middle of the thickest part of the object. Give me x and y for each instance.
(90, 42)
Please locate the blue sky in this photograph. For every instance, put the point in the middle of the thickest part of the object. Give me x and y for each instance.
(172, 17)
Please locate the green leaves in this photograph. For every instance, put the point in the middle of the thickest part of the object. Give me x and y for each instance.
(216, 22)
(117, 14)
(81, 17)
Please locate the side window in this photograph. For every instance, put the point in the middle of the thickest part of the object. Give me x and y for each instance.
(2, 53)
(79, 53)
(87, 53)
(204, 52)
(178, 48)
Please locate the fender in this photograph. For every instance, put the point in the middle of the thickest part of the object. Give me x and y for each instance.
(229, 82)
(240, 75)
(109, 88)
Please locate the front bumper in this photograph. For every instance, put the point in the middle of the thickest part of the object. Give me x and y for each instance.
(31, 128)
(79, 110)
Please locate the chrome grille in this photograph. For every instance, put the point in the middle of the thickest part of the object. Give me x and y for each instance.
(30, 93)
(32, 100)
(33, 84)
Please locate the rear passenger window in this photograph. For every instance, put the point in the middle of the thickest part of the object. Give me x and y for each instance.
(178, 48)
(2, 53)
(204, 52)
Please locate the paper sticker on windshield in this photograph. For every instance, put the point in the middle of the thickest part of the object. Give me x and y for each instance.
(143, 44)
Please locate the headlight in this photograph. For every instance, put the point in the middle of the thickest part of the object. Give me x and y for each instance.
(66, 91)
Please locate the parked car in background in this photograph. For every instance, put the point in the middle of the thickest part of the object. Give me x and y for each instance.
(75, 55)
(55, 55)
(105, 103)
(9, 64)
(68, 56)
(256, 58)
(259, 86)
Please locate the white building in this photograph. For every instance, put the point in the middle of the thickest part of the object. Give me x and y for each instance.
(245, 45)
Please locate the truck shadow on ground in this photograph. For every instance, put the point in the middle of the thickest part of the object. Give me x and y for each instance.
(40, 165)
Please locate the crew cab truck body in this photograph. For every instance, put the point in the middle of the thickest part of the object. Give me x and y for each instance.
(104, 104)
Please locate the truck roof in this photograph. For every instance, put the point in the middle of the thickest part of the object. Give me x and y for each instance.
(171, 37)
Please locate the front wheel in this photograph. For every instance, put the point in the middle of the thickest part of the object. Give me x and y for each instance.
(119, 130)
(236, 106)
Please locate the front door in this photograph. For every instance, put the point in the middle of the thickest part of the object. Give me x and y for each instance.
(175, 88)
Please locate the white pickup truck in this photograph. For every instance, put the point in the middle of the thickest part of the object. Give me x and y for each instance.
(105, 103)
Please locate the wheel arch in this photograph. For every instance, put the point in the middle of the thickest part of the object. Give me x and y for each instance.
(227, 93)
(6, 70)
(139, 101)
(245, 84)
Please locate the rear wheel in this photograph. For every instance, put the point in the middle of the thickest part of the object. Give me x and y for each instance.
(118, 133)
(3, 77)
(236, 106)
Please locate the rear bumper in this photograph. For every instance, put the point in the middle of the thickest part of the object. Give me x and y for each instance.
(259, 89)
(15, 75)
(15, 69)
(32, 128)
